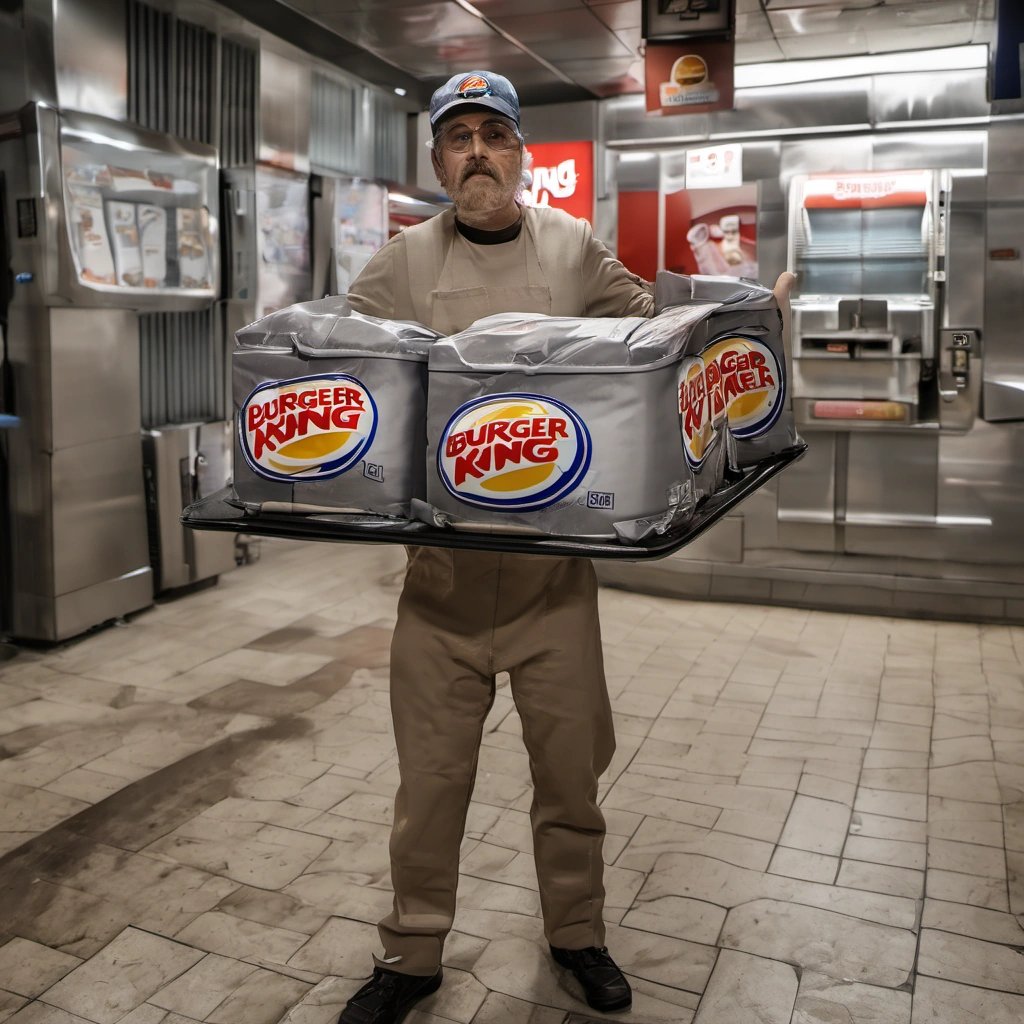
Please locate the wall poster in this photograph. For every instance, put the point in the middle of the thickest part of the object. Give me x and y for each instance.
(712, 231)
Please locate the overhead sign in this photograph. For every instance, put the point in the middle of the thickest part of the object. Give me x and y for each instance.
(563, 177)
(676, 19)
(714, 167)
(690, 77)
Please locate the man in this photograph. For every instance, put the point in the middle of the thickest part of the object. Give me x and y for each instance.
(466, 615)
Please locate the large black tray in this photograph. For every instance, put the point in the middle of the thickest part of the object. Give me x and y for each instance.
(222, 512)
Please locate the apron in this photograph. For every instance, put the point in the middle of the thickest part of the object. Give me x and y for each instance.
(434, 281)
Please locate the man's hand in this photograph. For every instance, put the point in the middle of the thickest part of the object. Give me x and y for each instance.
(782, 288)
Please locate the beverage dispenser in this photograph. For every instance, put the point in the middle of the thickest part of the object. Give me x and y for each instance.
(868, 250)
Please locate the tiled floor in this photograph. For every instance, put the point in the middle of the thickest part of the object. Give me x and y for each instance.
(813, 818)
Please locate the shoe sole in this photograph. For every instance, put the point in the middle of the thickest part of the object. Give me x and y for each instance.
(623, 1004)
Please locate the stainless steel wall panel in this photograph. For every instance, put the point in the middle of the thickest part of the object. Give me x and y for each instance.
(966, 258)
(627, 120)
(238, 99)
(1006, 145)
(807, 496)
(940, 149)
(812, 156)
(386, 124)
(927, 95)
(807, 488)
(182, 366)
(801, 105)
(722, 543)
(99, 513)
(981, 494)
(90, 57)
(891, 494)
(284, 111)
(334, 135)
(77, 611)
(94, 375)
(1003, 391)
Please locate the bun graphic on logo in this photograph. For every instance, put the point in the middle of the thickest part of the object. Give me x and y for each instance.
(307, 428)
(514, 452)
(735, 380)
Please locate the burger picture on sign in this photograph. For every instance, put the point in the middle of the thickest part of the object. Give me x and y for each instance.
(689, 83)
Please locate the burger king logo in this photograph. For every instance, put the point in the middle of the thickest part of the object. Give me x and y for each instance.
(473, 85)
(307, 428)
(515, 452)
(735, 381)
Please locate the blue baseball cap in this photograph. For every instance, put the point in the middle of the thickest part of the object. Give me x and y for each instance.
(476, 88)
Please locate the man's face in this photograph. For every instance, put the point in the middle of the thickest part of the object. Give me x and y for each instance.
(483, 177)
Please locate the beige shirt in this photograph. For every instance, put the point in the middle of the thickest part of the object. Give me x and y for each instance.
(583, 277)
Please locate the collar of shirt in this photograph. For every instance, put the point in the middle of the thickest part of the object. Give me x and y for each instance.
(480, 237)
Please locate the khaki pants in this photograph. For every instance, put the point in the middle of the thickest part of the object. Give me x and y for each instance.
(463, 617)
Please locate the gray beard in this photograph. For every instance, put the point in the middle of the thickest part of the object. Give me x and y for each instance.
(480, 195)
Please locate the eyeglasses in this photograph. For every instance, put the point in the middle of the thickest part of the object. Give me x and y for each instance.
(497, 136)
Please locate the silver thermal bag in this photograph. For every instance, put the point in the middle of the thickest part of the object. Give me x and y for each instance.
(330, 409)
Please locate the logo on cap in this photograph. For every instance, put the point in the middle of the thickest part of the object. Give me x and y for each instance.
(515, 452)
(473, 86)
(736, 381)
(307, 428)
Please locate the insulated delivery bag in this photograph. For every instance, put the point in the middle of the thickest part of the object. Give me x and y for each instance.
(604, 428)
(330, 411)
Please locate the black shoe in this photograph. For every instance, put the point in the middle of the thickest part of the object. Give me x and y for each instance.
(604, 985)
(387, 997)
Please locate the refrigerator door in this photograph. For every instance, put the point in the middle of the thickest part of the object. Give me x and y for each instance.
(282, 239)
(360, 224)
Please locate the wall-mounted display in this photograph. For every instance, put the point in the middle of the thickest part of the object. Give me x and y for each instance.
(677, 19)
(138, 220)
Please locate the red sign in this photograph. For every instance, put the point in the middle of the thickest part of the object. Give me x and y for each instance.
(563, 177)
(866, 190)
(689, 77)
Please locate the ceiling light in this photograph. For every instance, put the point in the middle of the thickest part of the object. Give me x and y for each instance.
(950, 58)
(399, 91)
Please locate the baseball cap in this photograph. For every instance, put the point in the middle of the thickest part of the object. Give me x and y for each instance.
(476, 88)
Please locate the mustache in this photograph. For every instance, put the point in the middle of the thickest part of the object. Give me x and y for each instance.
(478, 167)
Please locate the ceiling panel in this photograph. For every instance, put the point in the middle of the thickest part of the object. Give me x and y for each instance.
(507, 8)
(565, 35)
(426, 25)
(567, 49)
(618, 15)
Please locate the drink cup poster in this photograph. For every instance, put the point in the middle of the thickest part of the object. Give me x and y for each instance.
(712, 231)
